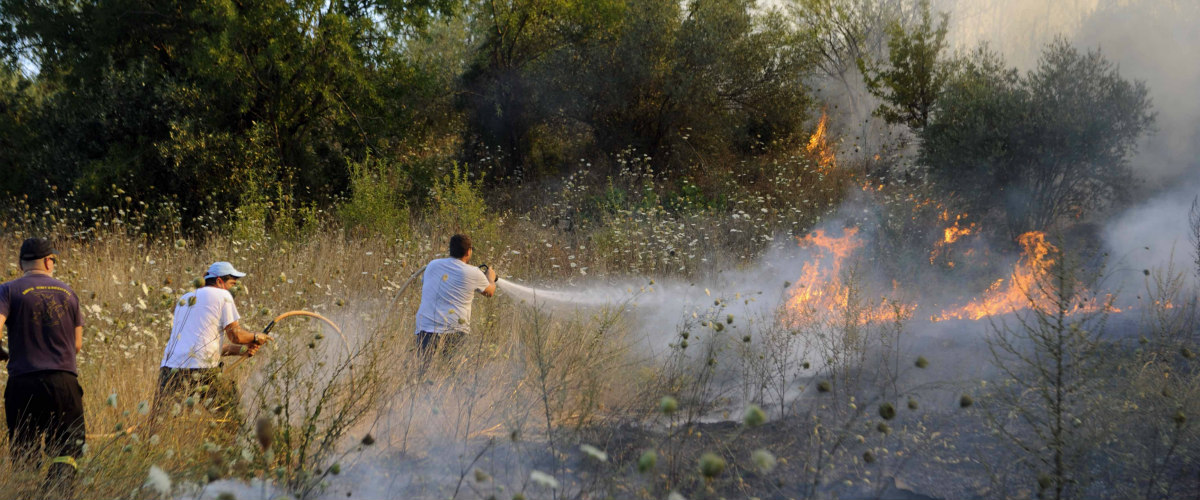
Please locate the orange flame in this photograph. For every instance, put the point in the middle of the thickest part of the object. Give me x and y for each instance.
(820, 292)
(1022, 284)
(1023, 287)
(818, 145)
(820, 289)
(950, 235)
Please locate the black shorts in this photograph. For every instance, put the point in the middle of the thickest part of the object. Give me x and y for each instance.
(45, 404)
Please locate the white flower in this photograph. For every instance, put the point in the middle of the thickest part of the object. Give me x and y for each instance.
(544, 480)
(159, 480)
(594, 452)
(674, 495)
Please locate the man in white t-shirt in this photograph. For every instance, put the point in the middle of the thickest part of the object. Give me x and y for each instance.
(444, 317)
(192, 357)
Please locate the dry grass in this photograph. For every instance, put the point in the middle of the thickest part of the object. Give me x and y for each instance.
(492, 387)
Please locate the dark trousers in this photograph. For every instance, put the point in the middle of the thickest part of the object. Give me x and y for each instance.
(46, 409)
(207, 386)
(445, 343)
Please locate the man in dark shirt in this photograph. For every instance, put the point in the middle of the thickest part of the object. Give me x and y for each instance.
(43, 399)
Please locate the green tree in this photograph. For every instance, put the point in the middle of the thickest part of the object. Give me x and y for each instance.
(1031, 151)
(677, 82)
(916, 72)
(215, 103)
(841, 33)
(515, 84)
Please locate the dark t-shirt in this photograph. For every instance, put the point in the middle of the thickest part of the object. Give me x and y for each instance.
(42, 314)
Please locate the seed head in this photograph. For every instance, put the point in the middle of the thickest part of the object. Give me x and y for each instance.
(887, 411)
(912, 403)
(966, 401)
(868, 457)
(884, 428)
(667, 405)
(922, 362)
(647, 461)
(1180, 418)
(544, 480)
(711, 465)
(481, 476)
(1045, 481)
(264, 431)
(594, 452)
(368, 440)
(824, 386)
(159, 480)
(754, 416)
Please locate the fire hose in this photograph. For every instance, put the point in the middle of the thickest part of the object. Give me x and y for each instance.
(290, 314)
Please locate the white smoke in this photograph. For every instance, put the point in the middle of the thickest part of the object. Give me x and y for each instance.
(1154, 236)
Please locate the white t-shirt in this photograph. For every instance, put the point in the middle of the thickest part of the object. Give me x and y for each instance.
(200, 319)
(449, 286)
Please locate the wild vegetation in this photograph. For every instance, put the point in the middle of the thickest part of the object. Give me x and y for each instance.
(331, 148)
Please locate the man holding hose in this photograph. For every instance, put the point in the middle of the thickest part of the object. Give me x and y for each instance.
(192, 357)
(449, 286)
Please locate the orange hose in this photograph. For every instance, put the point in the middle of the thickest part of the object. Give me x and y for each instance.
(289, 314)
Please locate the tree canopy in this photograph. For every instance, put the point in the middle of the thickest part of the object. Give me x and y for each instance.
(1032, 150)
(212, 106)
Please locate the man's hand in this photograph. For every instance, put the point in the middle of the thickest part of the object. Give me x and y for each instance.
(260, 339)
(491, 275)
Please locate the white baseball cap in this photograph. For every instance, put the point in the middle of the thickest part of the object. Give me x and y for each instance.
(223, 268)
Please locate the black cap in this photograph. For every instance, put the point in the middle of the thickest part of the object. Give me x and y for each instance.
(36, 248)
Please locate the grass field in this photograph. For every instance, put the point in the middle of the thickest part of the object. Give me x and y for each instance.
(741, 394)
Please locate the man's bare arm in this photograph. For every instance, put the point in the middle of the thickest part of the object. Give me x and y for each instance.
(244, 342)
(239, 335)
(78, 339)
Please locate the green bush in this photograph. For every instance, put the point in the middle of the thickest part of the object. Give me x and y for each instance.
(376, 203)
(458, 206)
